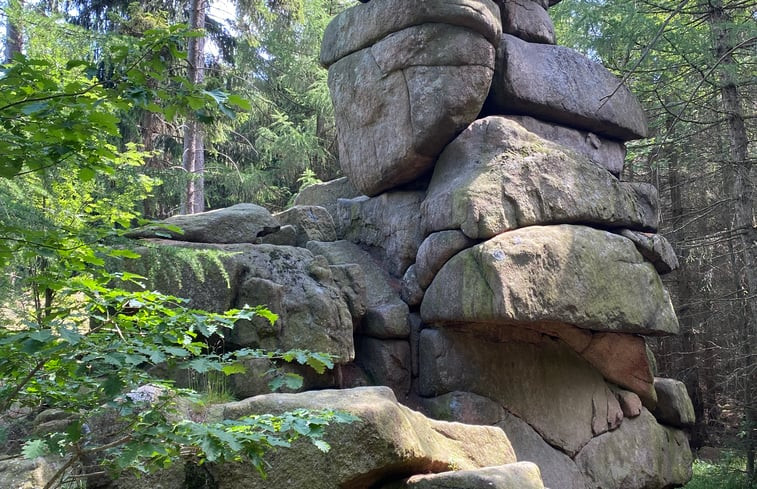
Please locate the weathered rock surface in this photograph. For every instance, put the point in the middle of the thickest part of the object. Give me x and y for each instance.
(351, 281)
(388, 223)
(387, 362)
(557, 469)
(464, 407)
(385, 312)
(528, 20)
(292, 282)
(641, 454)
(434, 252)
(311, 223)
(607, 153)
(411, 291)
(361, 26)
(558, 84)
(571, 403)
(497, 176)
(521, 475)
(21, 473)
(399, 102)
(327, 194)
(241, 223)
(629, 402)
(285, 236)
(622, 359)
(393, 442)
(655, 248)
(674, 405)
(568, 274)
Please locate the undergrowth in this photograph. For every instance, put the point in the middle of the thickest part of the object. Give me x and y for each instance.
(727, 474)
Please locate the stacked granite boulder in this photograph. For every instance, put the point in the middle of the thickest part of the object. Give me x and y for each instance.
(489, 159)
(481, 258)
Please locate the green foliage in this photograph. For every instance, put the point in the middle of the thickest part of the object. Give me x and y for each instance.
(69, 337)
(729, 474)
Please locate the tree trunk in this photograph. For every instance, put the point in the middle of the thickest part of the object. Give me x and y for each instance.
(193, 159)
(14, 34)
(743, 230)
(689, 359)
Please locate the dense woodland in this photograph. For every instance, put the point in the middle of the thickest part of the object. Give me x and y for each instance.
(694, 68)
(113, 112)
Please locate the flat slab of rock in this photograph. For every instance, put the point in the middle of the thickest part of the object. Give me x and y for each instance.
(400, 101)
(674, 407)
(568, 274)
(544, 383)
(241, 223)
(558, 84)
(389, 442)
(641, 454)
(520, 475)
(364, 25)
(497, 176)
(655, 248)
(607, 153)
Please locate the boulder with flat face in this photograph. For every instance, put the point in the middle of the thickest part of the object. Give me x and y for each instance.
(497, 176)
(655, 248)
(310, 223)
(387, 362)
(434, 252)
(386, 314)
(607, 153)
(674, 406)
(364, 25)
(388, 442)
(520, 475)
(301, 288)
(388, 224)
(561, 274)
(641, 454)
(405, 77)
(240, 223)
(558, 84)
(571, 404)
(326, 195)
(528, 20)
(557, 469)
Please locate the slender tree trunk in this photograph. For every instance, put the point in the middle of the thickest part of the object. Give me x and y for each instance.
(194, 148)
(742, 195)
(14, 34)
(689, 357)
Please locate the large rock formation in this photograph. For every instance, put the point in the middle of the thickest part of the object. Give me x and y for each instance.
(406, 77)
(571, 274)
(388, 441)
(496, 272)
